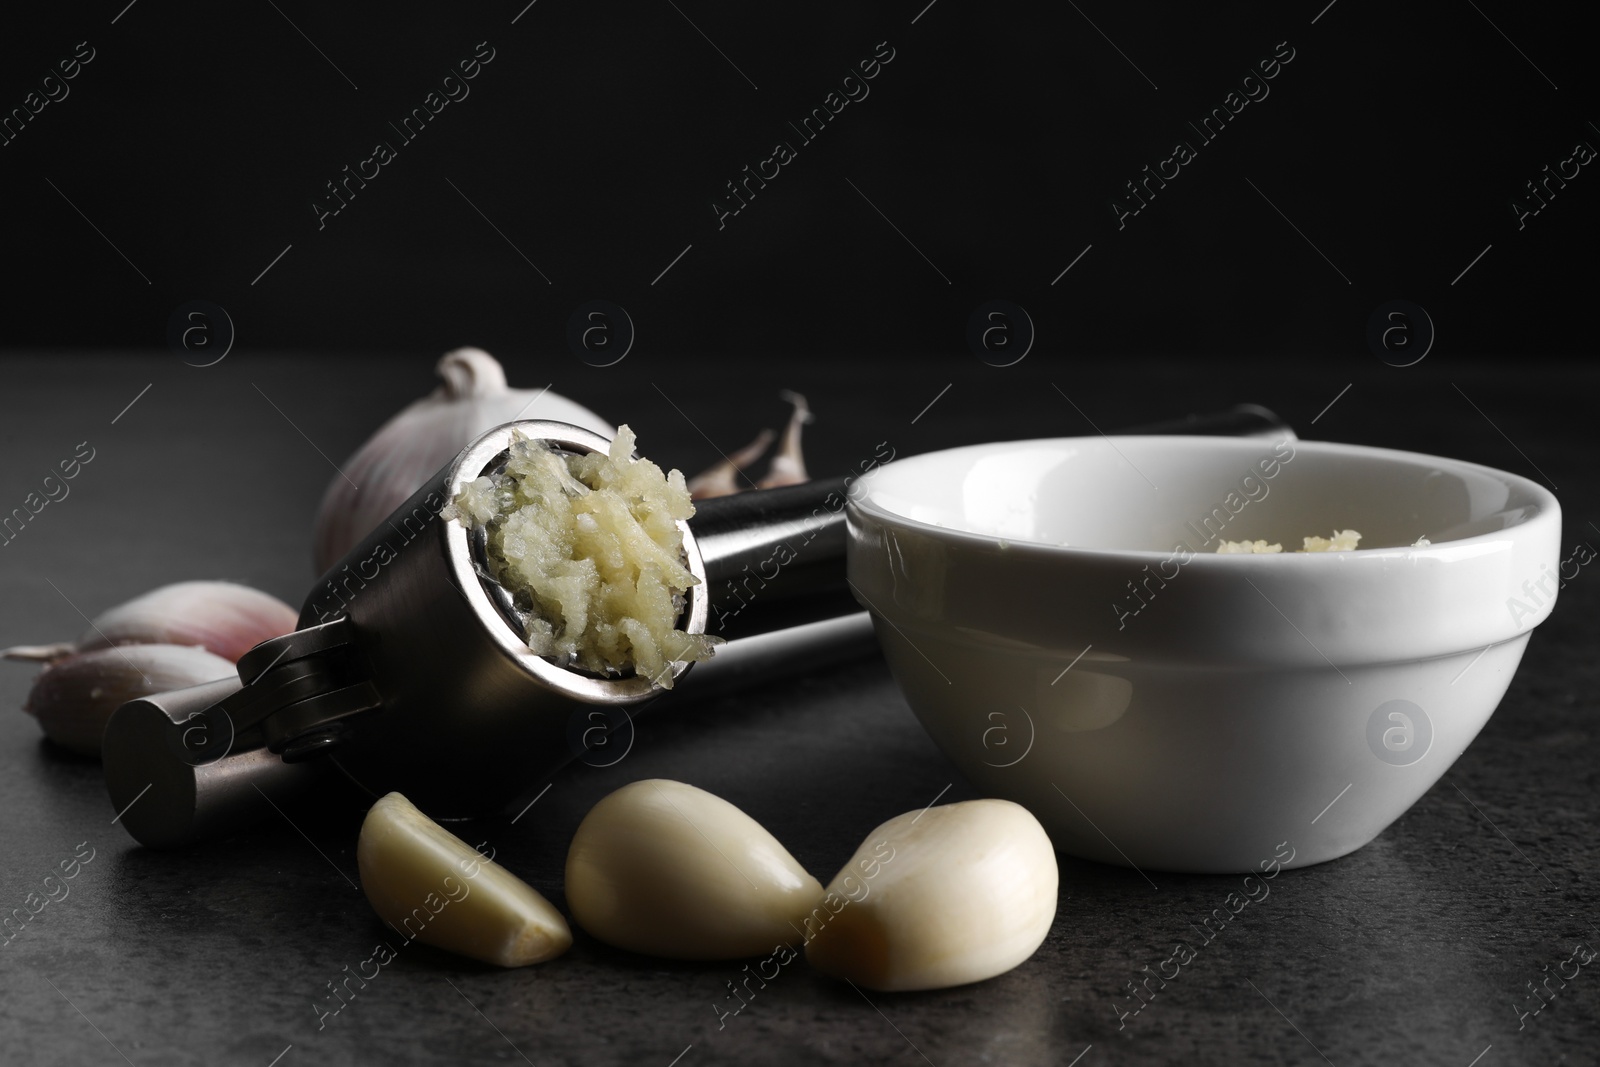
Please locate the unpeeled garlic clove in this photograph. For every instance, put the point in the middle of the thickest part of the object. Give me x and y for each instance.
(431, 886)
(222, 617)
(788, 465)
(411, 447)
(666, 869)
(965, 892)
(40, 653)
(73, 697)
(721, 479)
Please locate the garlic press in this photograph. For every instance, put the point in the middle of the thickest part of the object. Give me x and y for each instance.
(410, 672)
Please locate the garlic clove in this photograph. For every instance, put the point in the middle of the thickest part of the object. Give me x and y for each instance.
(721, 479)
(73, 697)
(431, 886)
(40, 653)
(411, 447)
(939, 898)
(788, 465)
(666, 869)
(221, 617)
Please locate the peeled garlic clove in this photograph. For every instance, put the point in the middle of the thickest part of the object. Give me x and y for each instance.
(788, 465)
(721, 479)
(431, 886)
(411, 447)
(665, 869)
(938, 898)
(72, 698)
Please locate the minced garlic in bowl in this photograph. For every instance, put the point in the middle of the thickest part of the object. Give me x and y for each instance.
(589, 548)
(1341, 541)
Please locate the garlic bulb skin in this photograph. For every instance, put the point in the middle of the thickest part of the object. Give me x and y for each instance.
(939, 898)
(430, 885)
(74, 697)
(665, 869)
(411, 447)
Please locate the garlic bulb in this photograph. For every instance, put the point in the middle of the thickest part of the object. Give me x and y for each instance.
(666, 869)
(221, 617)
(73, 697)
(431, 886)
(411, 447)
(938, 898)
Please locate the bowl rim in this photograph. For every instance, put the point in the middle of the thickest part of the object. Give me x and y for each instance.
(1546, 507)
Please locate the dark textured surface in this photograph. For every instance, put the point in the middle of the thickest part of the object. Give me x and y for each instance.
(1412, 950)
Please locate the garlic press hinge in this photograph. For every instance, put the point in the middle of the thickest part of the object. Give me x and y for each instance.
(298, 691)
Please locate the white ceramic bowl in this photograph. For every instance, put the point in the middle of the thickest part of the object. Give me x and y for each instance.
(1180, 709)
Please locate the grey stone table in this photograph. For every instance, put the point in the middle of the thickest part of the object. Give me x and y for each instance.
(1417, 949)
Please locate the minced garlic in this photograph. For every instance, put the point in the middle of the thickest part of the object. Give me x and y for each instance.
(1235, 547)
(590, 550)
(1341, 541)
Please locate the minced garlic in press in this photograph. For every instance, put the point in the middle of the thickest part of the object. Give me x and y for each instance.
(590, 550)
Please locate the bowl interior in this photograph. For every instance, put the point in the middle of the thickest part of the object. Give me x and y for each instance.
(1151, 493)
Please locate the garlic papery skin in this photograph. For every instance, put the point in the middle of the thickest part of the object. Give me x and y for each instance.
(472, 399)
(74, 697)
(665, 869)
(939, 898)
(221, 617)
(431, 886)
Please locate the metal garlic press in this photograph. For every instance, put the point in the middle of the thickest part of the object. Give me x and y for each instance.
(410, 671)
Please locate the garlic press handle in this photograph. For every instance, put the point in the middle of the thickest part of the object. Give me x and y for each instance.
(193, 763)
(175, 779)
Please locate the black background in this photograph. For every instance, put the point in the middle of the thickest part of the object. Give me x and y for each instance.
(995, 141)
